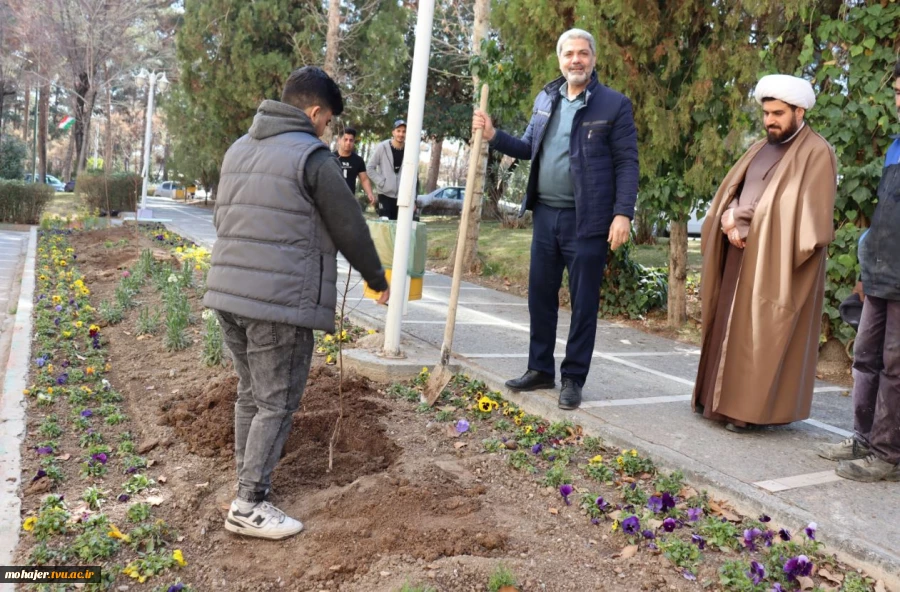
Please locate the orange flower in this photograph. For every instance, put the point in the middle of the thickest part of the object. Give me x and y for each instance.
(89, 370)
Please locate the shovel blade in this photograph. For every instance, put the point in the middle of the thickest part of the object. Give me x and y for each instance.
(437, 382)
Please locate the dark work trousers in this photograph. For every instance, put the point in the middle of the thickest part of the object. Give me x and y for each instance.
(387, 207)
(554, 248)
(876, 378)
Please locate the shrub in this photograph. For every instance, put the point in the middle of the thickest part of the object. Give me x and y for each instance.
(22, 203)
(631, 289)
(124, 191)
(13, 152)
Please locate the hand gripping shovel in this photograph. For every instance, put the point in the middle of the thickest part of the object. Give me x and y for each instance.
(441, 374)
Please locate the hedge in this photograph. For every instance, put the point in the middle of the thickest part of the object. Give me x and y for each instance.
(22, 203)
(124, 191)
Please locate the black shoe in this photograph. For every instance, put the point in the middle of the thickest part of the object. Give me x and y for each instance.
(569, 394)
(531, 381)
(750, 427)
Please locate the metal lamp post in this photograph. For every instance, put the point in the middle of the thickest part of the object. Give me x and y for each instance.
(154, 78)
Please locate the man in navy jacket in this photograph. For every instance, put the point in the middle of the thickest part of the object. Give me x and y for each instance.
(582, 188)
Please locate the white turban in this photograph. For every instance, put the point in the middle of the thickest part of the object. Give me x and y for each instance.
(790, 89)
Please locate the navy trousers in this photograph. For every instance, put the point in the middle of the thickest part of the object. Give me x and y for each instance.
(553, 249)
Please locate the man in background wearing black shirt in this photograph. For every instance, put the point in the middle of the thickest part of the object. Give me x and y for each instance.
(352, 164)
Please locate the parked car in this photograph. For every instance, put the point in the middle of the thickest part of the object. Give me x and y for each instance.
(443, 199)
(50, 180)
(169, 189)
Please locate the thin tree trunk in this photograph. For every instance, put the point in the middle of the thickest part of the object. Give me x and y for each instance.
(107, 140)
(86, 130)
(43, 122)
(332, 48)
(70, 152)
(471, 261)
(678, 243)
(434, 167)
(27, 114)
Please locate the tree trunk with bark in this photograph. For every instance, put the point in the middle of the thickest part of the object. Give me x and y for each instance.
(471, 261)
(332, 49)
(27, 114)
(678, 244)
(434, 167)
(108, 154)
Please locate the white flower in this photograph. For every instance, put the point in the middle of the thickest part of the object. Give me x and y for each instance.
(206, 314)
(173, 278)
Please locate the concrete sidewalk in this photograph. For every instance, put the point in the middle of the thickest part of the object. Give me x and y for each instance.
(638, 395)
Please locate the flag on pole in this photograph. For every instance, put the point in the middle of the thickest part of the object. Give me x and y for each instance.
(66, 122)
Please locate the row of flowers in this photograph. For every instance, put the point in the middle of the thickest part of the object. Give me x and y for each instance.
(651, 510)
(79, 415)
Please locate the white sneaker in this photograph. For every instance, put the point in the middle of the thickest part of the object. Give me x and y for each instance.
(265, 521)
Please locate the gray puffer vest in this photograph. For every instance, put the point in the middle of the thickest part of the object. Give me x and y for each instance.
(273, 259)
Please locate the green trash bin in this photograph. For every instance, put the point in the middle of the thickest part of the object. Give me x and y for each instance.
(384, 233)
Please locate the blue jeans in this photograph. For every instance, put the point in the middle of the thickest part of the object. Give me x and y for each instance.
(554, 248)
(272, 363)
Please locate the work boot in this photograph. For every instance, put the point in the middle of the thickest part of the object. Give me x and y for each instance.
(868, 470)
(532, 380)
(569, 394)
(848, 449)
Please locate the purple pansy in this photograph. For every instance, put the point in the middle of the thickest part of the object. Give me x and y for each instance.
(785, 534)
(631, 525)
(536, 449)
(176, 588)
(750, 536)
(669, 524)
(694, 514)
(62, 378)
(39, 474)
(698, 540)
(811, 531)
(87, 413)
(602, 504)
(45, 450)
(764, 518)
(799, 566)
(40, 361)
(668, 501)
(649, 534)
(123, 497)
(757, 572)
(100, 457)
(462, 426)
(565, 490)
(689, 576)
(655, 504)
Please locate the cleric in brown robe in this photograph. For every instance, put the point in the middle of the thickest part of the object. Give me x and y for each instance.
(763, 281)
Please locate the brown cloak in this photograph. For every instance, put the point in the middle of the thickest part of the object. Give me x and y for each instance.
(768, 364)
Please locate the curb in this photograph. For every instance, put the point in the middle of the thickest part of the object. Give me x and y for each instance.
(12, 410)
(878, 562)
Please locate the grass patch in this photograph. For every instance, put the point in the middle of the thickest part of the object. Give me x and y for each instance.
(65, 205)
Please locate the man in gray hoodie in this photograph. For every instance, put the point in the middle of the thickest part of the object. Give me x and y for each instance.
(384, 168)
(282, 213)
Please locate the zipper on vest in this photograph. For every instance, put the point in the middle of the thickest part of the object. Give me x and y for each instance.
(321, 274)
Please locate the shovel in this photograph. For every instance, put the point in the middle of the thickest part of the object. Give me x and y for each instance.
(441, 374)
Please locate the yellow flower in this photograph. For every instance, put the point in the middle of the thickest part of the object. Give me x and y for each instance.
(179, 250)
(107, 367)
(633, 452)
(26, 392)
(56, 299)
(94, 328)
(178, 556)
(29, 523)
(117, 534)
(343, 334)
(89, 370)
(197, 267)
(518, 421)
(486, 404)
(85, 292)
(528, 429)
(620, 461)
(79, 324)
(615, 526)
(49, 368)
(329, 359)
(371, 331)
(66, 334)
(424, 370)
(49, 390)
(42, 277)
(328, 338)
(596, 460)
